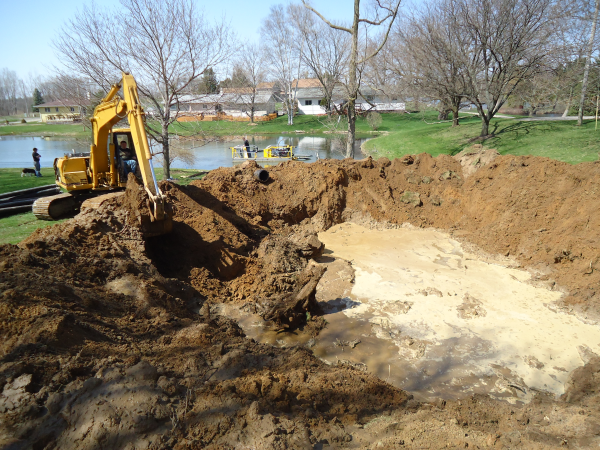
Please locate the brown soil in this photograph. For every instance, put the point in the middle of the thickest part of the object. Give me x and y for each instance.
(109, 341)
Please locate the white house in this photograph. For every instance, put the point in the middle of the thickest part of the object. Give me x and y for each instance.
(309, 94)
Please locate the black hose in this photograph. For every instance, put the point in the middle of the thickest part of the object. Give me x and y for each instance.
(25, 191)
(14, 210)
(34, 196)
(25, 201)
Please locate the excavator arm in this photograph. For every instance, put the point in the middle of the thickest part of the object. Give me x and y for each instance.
(108, 113)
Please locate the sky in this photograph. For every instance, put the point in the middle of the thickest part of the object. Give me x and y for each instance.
(27, 27)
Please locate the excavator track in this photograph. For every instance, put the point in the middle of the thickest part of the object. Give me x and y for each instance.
(54, 207)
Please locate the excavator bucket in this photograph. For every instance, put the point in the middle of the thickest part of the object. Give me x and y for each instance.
(149, 227)
(152, 228)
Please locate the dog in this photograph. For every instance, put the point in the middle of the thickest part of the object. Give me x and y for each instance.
(28, 173)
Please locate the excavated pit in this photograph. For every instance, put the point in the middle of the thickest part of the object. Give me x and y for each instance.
(221, 334)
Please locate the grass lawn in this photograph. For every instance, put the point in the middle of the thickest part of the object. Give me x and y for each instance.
(11, 180)
(15, 228)
(181, 175)
(43, 129)
(3, 119)
(561, 140)
(307, 124)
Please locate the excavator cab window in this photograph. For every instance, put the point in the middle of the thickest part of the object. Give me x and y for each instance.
(119, 137)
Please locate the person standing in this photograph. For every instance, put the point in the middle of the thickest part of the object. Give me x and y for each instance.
(36, 162)
(247, 146)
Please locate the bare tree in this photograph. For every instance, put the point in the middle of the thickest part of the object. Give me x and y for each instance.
(326, 53)
(431, 58)
(540, 92)
(588, 61)
(506, 42)
(284, 54)
(9, 92)
(165, 44)
(251, 75)
(75, 90)
(383, 11)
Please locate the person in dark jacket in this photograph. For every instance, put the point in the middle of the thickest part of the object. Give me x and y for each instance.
(36, 162)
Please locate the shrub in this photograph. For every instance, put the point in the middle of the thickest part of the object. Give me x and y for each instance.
(374, 119)
(23, 121)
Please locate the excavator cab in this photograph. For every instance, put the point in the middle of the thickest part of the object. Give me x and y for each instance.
(119, 135)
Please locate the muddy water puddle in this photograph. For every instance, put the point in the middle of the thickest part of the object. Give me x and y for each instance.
(419, 311)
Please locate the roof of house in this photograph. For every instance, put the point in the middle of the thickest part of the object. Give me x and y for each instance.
(313, 92)
(238, 90)
(268, 85)
(57, 103)
(339, 92)
(307, 83)
(261, 97)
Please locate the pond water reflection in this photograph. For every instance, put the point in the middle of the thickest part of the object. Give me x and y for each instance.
(15, 151)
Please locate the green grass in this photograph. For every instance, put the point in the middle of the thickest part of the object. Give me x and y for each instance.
(11, 180)
(3, 119)
(561, 140)
(307, 124)
(15, 228)
(43, 129)
(181, 175)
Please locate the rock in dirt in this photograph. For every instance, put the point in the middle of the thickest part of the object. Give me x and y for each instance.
(474, 158)
(411, 198)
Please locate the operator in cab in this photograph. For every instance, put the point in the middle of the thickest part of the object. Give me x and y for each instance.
(129, 159)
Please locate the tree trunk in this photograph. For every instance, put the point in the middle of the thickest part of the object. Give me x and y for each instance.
(351, 129)
(485, 127)
(290, 108)
(455, 115)
(443, 114)
(569, 100)
(588, 60)
(485, 122)
(353, 88)
(166, 156)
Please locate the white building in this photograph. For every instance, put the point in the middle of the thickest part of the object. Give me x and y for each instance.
(236, 102)
(309, 94)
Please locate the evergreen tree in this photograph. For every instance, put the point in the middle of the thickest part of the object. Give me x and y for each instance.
(209, 83)
(37, 99)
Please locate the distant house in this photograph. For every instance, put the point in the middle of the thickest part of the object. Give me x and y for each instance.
(310, 92)
(60, 110)
(235, 102)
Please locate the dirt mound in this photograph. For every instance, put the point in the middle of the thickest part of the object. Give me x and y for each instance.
(109, 340)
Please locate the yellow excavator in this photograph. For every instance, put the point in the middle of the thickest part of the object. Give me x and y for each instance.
(85, 176)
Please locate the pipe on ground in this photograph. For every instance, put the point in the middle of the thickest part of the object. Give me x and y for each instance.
(261, 175)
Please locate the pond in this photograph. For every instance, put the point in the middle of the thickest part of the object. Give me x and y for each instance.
(15, 151)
